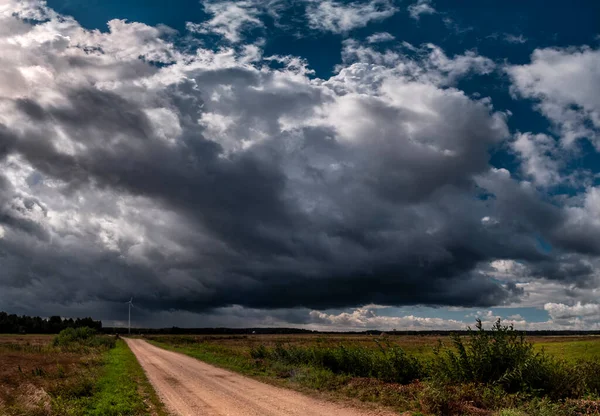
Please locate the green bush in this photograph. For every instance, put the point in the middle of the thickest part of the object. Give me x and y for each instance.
(502, 356)
(83, 336)
(589, 374)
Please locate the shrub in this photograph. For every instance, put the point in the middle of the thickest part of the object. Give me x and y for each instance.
(502, 356)
(388, 363)
(71, 335)
(83, 336)
(589, 374)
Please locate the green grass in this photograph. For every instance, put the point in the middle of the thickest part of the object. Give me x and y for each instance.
(572, 350)
(115, 386)
(123, 388)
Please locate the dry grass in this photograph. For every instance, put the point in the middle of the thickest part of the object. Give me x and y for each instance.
(39, 377)
(32, 370)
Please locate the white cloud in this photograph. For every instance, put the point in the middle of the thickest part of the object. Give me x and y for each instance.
(420, 7)
(230, 19)
(566, 85)
(589, 312)
(510, 38)
(431, 65)
(539, 156)
(460, 65)
(367, 318)
(380, 37)
(337, 17)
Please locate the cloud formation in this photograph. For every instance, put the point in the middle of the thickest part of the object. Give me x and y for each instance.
(229, 19)
(339, 17)
(539, 155)
(380, 37)
(510, 38)
(216, 179)
(565, 83)
(420, 7)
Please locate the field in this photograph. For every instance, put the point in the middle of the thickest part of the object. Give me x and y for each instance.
(489, 372)
(72, 375)
(422, 375)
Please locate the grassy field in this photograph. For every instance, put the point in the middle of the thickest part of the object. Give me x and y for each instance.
(95, 375)
(570, 348)
(494, 374)
(555, 376)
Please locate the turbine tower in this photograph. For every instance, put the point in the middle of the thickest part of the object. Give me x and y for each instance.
(130, 303)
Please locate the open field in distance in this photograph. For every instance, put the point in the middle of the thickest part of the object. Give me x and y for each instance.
(569, 347)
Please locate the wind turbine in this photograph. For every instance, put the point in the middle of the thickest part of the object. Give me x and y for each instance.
(130, 303)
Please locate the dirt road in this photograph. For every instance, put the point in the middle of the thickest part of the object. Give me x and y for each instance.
(190, 387)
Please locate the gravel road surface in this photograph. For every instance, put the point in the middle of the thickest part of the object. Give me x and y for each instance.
(191, 387)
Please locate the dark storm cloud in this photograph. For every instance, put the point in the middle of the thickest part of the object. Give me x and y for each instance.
(204, 185)
(241, 201)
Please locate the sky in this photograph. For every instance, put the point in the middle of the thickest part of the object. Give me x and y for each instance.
(321, 164)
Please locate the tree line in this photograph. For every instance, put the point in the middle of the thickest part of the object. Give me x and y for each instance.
(14, 324)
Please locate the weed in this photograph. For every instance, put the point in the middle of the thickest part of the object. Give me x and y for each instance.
(60, 371)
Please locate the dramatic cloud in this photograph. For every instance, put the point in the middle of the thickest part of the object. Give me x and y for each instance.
(217, 183)
(338, 17)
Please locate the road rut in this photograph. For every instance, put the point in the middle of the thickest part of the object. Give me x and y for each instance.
(191, 387)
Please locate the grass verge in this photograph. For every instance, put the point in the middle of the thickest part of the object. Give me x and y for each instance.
(123, 388)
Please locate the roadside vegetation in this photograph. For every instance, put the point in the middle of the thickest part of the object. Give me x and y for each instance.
(77, 372)
(495, 371)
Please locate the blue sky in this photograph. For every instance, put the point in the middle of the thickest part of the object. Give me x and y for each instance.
(326, 164)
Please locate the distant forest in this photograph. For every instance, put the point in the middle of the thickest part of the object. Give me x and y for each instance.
(14, 324)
